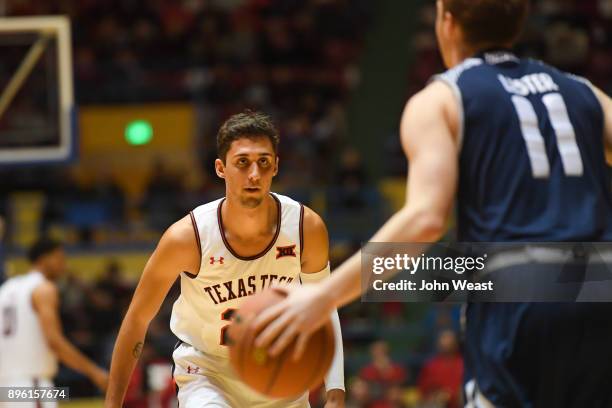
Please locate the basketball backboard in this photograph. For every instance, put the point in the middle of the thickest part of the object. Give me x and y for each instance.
(37, 114)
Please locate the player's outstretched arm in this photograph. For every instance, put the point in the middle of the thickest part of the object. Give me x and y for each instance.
(45, 300)
(606, 104)
(176, 252)
(429, 133)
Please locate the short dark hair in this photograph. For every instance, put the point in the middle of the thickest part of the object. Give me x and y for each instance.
(247, 124)
(489, 22)
(41, 248)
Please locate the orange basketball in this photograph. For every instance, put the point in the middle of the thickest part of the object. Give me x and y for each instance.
(281, 376)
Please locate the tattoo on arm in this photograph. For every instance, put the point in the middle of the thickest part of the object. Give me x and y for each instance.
(137, 350)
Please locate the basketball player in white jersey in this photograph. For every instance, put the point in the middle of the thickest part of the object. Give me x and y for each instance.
(31, 341)
(223, 252)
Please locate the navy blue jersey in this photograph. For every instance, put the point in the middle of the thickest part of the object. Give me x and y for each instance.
(532, 165)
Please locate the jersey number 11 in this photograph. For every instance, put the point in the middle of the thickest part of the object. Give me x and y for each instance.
(564, 132)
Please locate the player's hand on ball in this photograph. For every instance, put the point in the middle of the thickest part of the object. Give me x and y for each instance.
(335, 399)
(304, 310)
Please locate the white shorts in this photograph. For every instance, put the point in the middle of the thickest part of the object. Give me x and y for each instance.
(14, 382)
(209, 381)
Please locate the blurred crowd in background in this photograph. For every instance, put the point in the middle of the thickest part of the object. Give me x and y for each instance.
(297, 60)
(294, 60)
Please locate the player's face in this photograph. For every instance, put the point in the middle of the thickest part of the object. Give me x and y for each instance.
(55, 263)
(250, 166)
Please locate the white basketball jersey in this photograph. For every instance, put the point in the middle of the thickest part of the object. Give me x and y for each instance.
(24, 353)
(202, 312)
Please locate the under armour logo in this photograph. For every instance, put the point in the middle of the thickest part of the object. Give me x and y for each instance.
(193, 370)
(213, 260)
(285, 251)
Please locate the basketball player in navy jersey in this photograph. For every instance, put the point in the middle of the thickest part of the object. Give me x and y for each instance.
(520, 146)
(224, 251)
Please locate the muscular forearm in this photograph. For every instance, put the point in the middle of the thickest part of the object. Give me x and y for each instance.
(407, 226)
(125, 355)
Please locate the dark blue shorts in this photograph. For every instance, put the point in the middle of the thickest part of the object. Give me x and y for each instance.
(541, 355)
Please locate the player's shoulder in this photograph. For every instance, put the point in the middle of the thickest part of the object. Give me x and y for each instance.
(313, 225)
(308, 216)
(434, 92)
(291, 211)
(437, 98)
(207, 209)
(312, 219)
(315, 242)
(539, 64)
(287, 201)
(45, 292)
(46, 286)
(27, 281)
(180, 235)
(453, 75)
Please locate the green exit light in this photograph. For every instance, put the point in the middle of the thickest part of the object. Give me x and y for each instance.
(138, 132)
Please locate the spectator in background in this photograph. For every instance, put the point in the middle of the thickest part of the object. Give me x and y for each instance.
(74, 309)
(394, 398)
(351, 172)
(110, 197)
(440, 379)
(330, 129)
(349, 187)
(438, 319)
(160, 202)
(61, 188)
(109, 299)
(359, 394)
(382, 373)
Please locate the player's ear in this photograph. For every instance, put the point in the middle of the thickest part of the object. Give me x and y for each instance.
(444, 19)
(276, 165)
(449, 24)
(219, 168)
